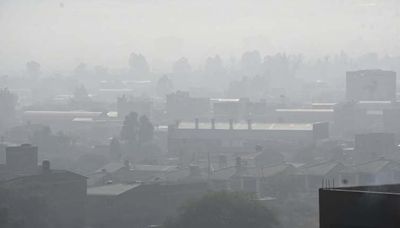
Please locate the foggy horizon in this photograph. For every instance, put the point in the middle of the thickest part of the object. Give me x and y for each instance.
(60, 35)
(199, 114)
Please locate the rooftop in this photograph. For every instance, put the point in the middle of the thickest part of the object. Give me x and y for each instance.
(111, 189)
(303, 110)
(375, 189)
(254, 126)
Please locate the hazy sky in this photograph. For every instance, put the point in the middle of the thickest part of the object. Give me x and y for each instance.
(61, 34)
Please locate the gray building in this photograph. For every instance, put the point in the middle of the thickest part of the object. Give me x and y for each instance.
(371, 85)
(21, 160)
(48, 198)
(361, 206)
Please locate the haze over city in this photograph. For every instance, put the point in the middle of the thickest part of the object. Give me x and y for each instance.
(194, 114)
(61, 34)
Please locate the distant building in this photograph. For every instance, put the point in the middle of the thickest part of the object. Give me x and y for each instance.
(21, 160)
(370, 146)
(303, 115)
(391, 121)
(310, 176)
(3, 147)
(349, 119)
(359, 207)
(197, 139)
(239, 109)
(379, 171)
(129, 173)
(127, 105)
(48, 198)
(181, 106)
(229, 108)
(371, 85)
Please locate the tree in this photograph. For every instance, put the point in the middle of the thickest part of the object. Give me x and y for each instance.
(138, 65)
(115, 149)
(130, 128)
(224, 210)
(33, 69)
(164, 86)
(81, 70)
(146, 130)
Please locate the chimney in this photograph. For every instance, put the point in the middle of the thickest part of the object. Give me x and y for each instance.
(249, 123)
(196, 123)
(231, 124)
(46, 166)
(213, 124)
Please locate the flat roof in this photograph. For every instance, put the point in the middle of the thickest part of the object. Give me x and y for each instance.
(304, 110)
(111, 189)
(374, 102)
(63, 113)
(244, 126)
(225, 99)
(377, 189)
(154, 168)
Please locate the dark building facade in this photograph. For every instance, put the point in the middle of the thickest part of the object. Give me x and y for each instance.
(22, 160)
(50, 198)
(360, 207)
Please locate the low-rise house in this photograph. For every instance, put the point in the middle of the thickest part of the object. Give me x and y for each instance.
(138, 205)
(264, 181)
(49, 198)
(117, 172)
(379, 171)
(310, 177)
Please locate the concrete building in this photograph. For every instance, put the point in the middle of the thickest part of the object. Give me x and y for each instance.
(350, 119)
(138, 205)
(371, 85)
(391, 121)
(371, 146)
(127, 105)
(303, 115)
(21, 160)
(181, 106)
(240, 109)
(379, 171)
(48, 198)
(220, 137)
(361, 206)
